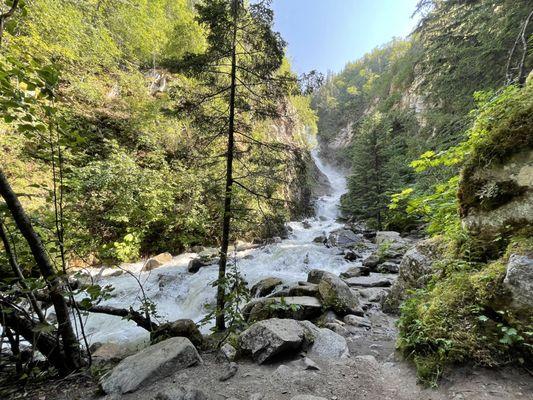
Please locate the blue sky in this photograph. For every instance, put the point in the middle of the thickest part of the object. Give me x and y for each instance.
(326, 34)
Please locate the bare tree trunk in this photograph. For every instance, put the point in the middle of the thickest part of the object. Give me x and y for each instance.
(18, 272)
(4, 17)
(70, 342)
(226, 222)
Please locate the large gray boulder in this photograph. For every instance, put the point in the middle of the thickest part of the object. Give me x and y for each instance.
(337, 295)
(157, 261)
(181, 327)
(344, 238)
(151, 364)
(294, 307)
(519, 281)
(266, 339)
(326, 344)
(265, 286)
(414, 272)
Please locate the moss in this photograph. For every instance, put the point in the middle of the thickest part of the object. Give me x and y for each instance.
(461, 316)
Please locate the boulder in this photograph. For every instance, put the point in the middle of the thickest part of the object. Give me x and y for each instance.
(344, 238)
(355, 272)
(265, 286)
(195, 264)
(297, 307)
(519, 281)
(267, 339)
(326, 344)
(414, 272)
(350, 255)
(371, 262)
(150, 364)
(383, 237)
(157, 261)
(242, 246)
(179, 328)
(357, 321)
(389, 267)
(337, 295)
(315, 275)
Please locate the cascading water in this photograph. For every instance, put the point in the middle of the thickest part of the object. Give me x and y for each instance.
(179, 294)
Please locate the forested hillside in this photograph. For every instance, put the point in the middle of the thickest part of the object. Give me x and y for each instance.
(141, 174)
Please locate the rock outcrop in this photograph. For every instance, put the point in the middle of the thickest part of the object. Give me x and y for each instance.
(519, 281)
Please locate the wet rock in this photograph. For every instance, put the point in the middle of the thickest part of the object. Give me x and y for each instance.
(374, 280)
(265, 286)
(195, 264)
(389, 266)
(337, 328)
(229, 373)
(151, 364)
(355, 272)
(266, 339)
(337, 295)
(350, 255)
(344, 238)
(320, 239)
(165, 280)
(315, 275)
(157, 261)
(306, 224)
(519, 281)
(297, 307)
(228, 351)
(179, 328)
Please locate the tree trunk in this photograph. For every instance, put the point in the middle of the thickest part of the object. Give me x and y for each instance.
(221, 292)
(70, 342)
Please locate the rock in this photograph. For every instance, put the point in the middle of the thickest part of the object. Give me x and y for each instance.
(383, 237)
(306, 224)
(309, 289)
(179, 328)
(307, 397)
(355, 272)
(229, 373)
(315, 275)
(310, 364)
(371, 262)
(389, 266)
(414, 272)
(181, 393)
(320, 239)
(242, 246)
(266, 339)
(374, 280)
(354, 320)
(519, 281)
(326, 344)
(228, 351)
(328, 317)
(350, 255)
(337, 328)
(298, 307)
(157, 261)
(496, 198)
(108, 352)
(265, 286)
(195, 264)
(337, 295)
(151, 364)
(344, 238)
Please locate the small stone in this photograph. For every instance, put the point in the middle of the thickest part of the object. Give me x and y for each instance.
(228, 351)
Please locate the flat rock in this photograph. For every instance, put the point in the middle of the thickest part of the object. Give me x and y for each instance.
(374, 280)
(151, 364)
(354, 272)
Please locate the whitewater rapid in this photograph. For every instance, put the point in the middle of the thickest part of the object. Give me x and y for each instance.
(180, 294)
